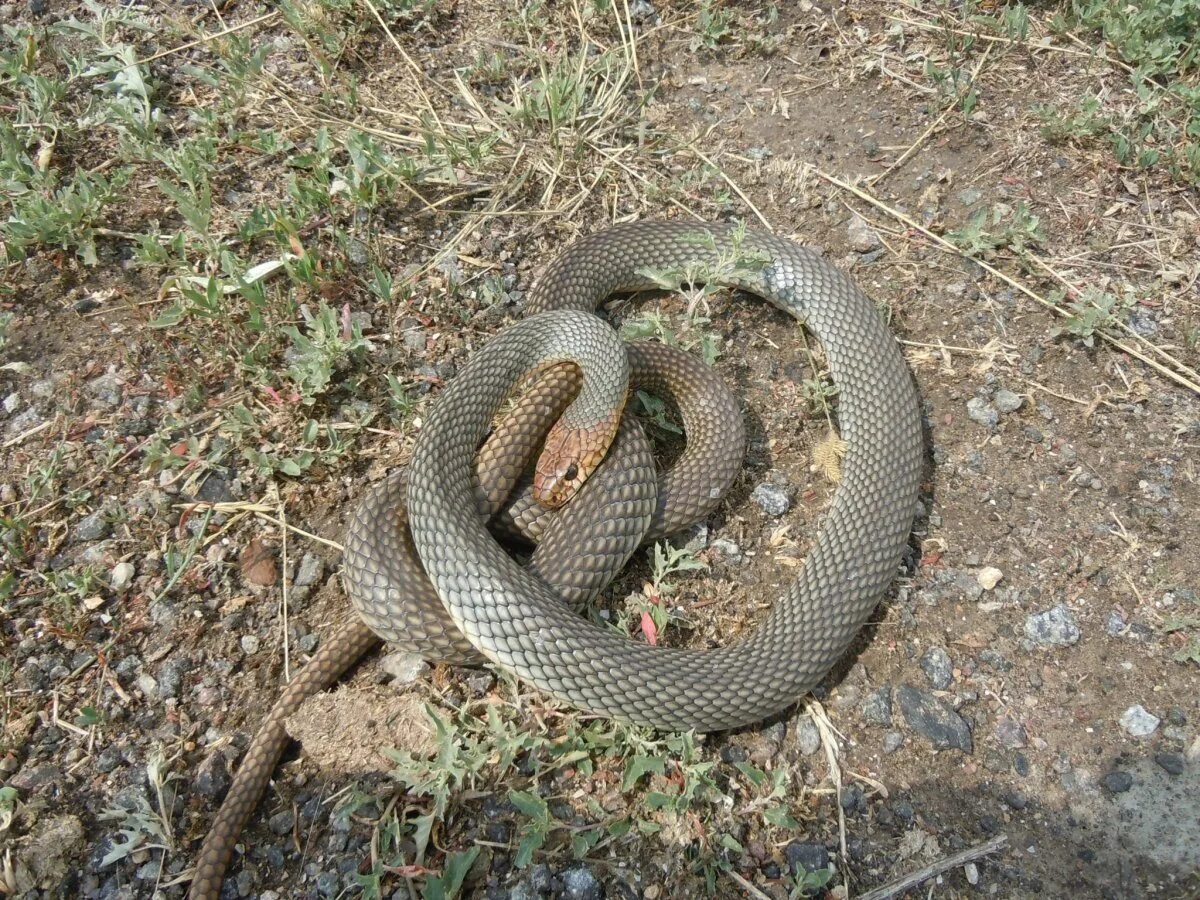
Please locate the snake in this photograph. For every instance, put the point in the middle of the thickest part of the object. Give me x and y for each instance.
(472, 602)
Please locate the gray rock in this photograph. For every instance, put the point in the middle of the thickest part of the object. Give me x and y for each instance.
(170, 676)
(934, 719)
(250, 644)
(1116, 624)
(580, 884)
(404, 668)
(312, 567)
(772, 499)
(728, 549)
(937, 668)
(892, 741)
(970, 196)
(862, 237)
(212, 777)
(121, 577)
(93, 527)
(1011, 734)
(1139, 723)
(1056, 627)
(1117, 782)
(877, 708)
(146, 684)
(282, 822)
(805, 856)
(808, 738)
(1142, 321)
(106, 389)
(982, 412)
(1006, 401)
(216, 489)
(1171, 763)
(12, 403)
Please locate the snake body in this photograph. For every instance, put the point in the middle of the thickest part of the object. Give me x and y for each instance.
(478, 604)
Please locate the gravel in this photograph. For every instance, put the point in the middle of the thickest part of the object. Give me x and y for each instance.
(772, 499)
(1171, 763)
(1117, 782)
(892, 741)
(1137, 722)
(937, 668)
(1006, 401)
(806, 856)
(1056, 627)
(404, 668)
(808, 738)
(580, 884)
(93, 527)
(877, 708)
(1011, 734)
(934, 719)
(862, 237)
(982, 412)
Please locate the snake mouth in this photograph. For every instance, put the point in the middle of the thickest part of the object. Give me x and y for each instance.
(568, 458)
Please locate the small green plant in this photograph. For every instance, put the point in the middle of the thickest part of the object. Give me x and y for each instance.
(145, 827)
(714, 25)
(328, 343)
(1003, 227)
(1091, 312)
(9, 798)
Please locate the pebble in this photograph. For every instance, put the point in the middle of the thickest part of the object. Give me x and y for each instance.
(282, 822)
(979, 410)
(1171, 763)
(971, 872)
(877, 708)
(250, 644)
(1056, 627)
(1006, 401)
(727, 549)
(862, 236)
(106, 389)
(1115, 625)
(808, 738)
(1139, 723)
(212, 778)
(934, 719)
(1117, 782)
(121, 577)
(404, 668)
(892, 741)
(1011, 734)
(937, 668)
(311, 568)
(93, 527)
(772, 499)
(988, 577)
(146, 684)
(170, 676)
(580, 884)
(806, 856)
(12, 403)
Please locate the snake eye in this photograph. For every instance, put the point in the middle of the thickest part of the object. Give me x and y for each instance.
(572, 471)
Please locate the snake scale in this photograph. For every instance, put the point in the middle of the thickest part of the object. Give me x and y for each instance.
(478, 604)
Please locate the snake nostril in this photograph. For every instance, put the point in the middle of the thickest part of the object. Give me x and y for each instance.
(572, 471)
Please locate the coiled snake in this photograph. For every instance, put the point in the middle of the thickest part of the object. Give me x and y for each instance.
(479, 604)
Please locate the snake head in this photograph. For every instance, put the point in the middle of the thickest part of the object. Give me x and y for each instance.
(568, 458)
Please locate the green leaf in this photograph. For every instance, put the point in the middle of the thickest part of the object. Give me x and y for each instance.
(530, 804)
(779, 816)
(639, 766)
(447, 885)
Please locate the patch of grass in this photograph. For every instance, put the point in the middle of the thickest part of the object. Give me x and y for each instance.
(1092, 312)
(1012, 228)
(1156, 123)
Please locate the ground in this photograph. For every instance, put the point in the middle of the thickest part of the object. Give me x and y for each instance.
(244, 249)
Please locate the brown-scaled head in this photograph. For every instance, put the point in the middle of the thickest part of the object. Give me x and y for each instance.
(568, 458)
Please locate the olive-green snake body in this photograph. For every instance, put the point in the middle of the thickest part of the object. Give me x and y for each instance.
(479, 604)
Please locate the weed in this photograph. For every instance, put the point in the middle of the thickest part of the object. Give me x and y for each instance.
(713, 26)
(1003, 227)
(145, 827)
(327, 345)
(1092, 312)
